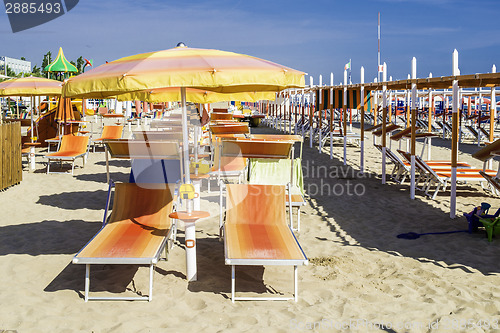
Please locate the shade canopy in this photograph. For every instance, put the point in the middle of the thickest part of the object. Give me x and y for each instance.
(60, 64)
(206, 69)
(193, 96)
(30, 86)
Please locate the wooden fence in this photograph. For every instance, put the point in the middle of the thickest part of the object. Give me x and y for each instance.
(10, 154)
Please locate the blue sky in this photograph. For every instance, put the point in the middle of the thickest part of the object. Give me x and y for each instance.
(318, 37)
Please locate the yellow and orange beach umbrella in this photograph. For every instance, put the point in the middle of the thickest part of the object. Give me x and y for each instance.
(183, 67)
(30, 86)
(193, 95)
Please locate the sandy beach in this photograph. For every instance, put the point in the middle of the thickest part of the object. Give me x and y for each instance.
(360, 278)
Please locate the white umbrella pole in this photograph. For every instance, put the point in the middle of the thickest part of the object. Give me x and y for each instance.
(413, 121)
(362, 120)
(32, 110)
(454, 137)
(185, 138)
(344, 111)
(384, 122)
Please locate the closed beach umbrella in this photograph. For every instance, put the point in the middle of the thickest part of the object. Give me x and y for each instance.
(64, 112)
(183, 67)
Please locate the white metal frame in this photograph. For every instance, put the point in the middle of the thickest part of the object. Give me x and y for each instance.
(263, 262)
(152, 261)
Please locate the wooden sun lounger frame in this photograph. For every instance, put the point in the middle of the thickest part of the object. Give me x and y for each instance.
(151, 261)
(262, 262)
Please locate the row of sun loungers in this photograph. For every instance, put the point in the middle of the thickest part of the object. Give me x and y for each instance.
(255, 229)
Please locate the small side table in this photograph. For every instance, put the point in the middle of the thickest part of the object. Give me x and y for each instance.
(189, 220)
(32, 146)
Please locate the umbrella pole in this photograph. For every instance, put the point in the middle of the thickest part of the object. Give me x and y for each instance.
(412, 124)
(454, 138)
(32, 110)
(185, 138)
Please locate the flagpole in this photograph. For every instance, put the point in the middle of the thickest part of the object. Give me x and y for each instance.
(378, 54)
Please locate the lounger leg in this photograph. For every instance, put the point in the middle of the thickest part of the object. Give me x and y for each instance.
(295, 283)
(151, 271)
(87, 282)
(233, 282)
(298, 219)
(48, 166)
(72, 166)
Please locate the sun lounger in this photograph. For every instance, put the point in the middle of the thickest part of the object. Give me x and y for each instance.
(439, 174)
(400, 170)
(136, 232)
(278, 172)
(108, 133)
(256, 232)
(70, 149)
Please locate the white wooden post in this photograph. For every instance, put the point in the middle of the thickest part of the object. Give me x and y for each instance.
(344, 110)
(454, 143)
(331, 115)
(413, 107)
(362, 101)
(311, 118)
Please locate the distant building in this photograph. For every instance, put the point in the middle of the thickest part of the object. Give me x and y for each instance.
(16, 65)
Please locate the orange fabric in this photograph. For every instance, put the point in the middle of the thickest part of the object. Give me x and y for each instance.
(227, 129)
(71, 146)
(64, 111)
(111, 132)
(256, 148)
(256, 225)
(221, 116)
(137, 226)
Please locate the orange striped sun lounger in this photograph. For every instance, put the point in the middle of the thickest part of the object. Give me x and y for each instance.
(71, 148)
(256, 232)
(109, 133)
(136, 232)
(440, 175)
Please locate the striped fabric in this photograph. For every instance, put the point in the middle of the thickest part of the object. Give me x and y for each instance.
(30, 86)
(214, 70)
(256, 225)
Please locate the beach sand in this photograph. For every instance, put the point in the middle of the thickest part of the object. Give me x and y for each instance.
(360, 276)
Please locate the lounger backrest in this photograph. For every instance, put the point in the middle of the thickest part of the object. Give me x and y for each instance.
(74, 144)
(146, 207)
(237, 128)
(221, 116)
(418, 165)
(484, 154)
(424, 166)
(255, 204)
(227, 162)
(267, 171)
(112, 132)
